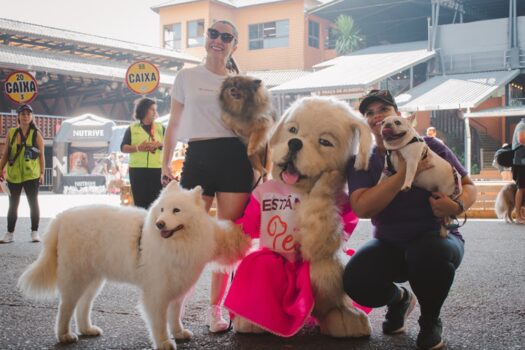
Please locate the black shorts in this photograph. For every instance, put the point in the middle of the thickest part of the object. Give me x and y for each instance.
(217, 165)
(520, 176)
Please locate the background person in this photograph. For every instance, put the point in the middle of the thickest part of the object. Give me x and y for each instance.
(24, 156)
(216, 158)
(518, 169)
(143, 141)
(432, 132)
(406, 244)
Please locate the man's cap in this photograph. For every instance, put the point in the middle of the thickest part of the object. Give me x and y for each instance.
(374, 96)
(24, 107)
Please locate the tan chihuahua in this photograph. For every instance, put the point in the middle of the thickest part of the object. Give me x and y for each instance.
(399, 135)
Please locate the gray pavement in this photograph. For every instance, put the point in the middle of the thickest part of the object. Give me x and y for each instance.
(485, 309)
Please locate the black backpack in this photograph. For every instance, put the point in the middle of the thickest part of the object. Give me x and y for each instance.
(504, 156)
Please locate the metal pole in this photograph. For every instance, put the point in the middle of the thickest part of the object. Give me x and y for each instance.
(468, 150)
(411, 77)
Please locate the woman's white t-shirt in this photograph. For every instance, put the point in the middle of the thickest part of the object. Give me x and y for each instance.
(198, 90)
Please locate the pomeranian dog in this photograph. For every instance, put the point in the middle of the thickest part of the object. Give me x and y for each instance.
(505, 202)
(162, 252)
(399, 135)
(246, 109)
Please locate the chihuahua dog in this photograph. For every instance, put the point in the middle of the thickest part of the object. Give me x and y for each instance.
(399, 135)
(246, 109)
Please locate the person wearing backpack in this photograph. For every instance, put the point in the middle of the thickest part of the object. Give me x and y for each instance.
(24, 157)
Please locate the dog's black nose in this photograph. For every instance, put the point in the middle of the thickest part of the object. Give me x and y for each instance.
(295, 145)
(160, 224)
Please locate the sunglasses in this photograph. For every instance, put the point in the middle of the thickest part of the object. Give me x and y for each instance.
(225, 37)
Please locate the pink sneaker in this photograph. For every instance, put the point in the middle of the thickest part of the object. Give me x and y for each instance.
(216, 322)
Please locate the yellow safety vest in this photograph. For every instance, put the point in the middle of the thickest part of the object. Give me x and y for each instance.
(22, 169)
(145, 159)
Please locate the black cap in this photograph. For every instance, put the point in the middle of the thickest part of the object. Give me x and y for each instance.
(374, 96)
(24, 107)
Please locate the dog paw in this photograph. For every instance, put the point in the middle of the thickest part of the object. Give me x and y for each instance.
(168, 345)
(68, 338)
(185, 334)
(92, 331)
(405, 188)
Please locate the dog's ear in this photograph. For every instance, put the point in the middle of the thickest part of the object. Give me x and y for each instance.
(197, 195)
(363, 140)
(173, 186)
(411, 119)
(278, 128)
(256, 84)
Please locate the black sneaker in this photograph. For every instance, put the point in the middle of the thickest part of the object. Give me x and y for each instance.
(429, 336)
(397, 313)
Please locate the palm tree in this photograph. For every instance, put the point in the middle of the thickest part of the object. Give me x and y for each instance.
(349, 37)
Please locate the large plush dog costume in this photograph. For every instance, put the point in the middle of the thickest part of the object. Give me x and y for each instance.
(163, 252)
(298, 222)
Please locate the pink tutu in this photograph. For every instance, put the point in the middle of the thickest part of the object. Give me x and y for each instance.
(272, 292)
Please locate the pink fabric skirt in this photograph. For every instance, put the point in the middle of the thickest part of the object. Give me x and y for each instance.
(272, 292)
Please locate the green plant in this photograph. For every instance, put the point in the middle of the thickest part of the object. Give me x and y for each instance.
(349, 38)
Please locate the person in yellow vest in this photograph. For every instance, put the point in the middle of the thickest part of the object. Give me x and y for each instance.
(24, 156)
(143, 141)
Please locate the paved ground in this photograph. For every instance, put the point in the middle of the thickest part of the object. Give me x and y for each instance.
(485, 309)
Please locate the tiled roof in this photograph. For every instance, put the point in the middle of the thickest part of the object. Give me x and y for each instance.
(233, 3)
(455, 91)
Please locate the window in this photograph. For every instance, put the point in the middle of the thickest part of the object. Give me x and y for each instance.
(331, 38)
(268, 35)
(172, 36)
(313, 34)
(196, 33)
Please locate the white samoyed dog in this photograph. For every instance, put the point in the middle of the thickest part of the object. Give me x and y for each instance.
(162, 251)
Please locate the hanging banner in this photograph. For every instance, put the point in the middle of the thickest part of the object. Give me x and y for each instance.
(142, 77)
(20, 87)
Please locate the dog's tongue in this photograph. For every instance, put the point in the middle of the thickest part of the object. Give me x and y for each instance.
(166, 233)
(290, 177)
(387, 131)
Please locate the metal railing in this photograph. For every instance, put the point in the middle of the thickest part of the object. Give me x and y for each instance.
(476, 62)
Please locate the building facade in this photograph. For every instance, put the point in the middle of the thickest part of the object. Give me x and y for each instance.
(273, 35)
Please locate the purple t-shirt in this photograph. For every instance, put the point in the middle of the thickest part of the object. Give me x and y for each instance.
(409, 215)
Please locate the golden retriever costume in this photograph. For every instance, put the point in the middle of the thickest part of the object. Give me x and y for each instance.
(162, 252)
(296, 273)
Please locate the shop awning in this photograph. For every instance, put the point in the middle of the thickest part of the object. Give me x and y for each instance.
(85, 128)
(360, 69)
(456, 91)
(511, 111)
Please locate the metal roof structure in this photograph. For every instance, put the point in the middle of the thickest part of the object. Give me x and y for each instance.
(277, 77)
(21, 58)
(512, 111)
(394, 21)
(39, 37)
(458, 91)
(360, 69)
(79, 73)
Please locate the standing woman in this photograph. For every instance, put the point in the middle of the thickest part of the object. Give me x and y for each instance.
(216, 159)
(24, 156)
(143, 141)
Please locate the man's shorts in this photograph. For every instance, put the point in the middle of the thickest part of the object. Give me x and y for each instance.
(217, 165)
